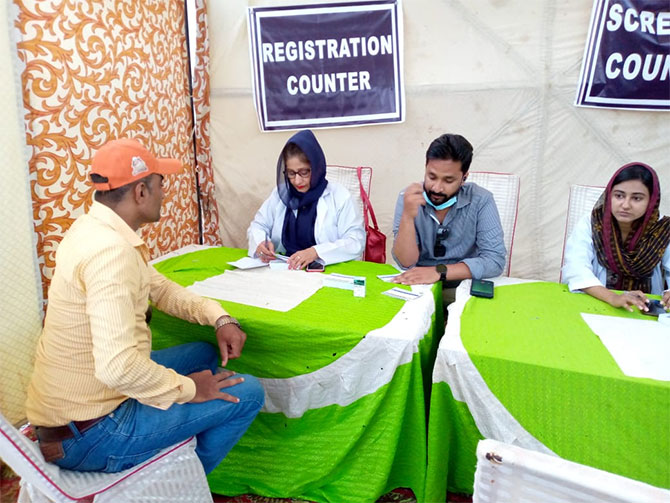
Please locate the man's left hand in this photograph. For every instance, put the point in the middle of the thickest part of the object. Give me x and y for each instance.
(419, 275)
(231, 340)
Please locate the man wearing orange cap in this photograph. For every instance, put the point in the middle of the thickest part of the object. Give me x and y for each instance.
(100, 399)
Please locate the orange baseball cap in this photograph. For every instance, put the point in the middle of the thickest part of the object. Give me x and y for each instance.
(126, 160)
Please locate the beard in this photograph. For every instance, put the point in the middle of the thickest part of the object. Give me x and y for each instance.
(436, 198)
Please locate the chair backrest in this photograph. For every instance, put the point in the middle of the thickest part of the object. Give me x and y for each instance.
(581, 201)
(505, 190)
(510, 474)
(173, 475)
(347, 176)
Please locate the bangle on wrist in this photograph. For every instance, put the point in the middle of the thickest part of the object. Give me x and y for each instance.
(224, 320)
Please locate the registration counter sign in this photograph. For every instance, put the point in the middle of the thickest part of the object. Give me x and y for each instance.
(327, 65)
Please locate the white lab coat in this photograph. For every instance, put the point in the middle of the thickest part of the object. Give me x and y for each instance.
(582, 269)
(338, 230)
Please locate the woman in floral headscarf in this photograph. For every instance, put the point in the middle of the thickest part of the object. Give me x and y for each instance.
(306, 217)
(623, 244)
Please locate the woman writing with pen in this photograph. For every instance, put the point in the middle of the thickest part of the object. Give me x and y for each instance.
(306, 217)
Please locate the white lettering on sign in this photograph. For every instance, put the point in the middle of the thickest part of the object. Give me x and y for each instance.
(331, 48)
(328, 83)
(652, 67)
(631, 20)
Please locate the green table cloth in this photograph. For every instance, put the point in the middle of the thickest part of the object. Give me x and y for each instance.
(346, 382)
(524, 368)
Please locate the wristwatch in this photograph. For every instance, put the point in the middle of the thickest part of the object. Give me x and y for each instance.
(226, 320)
(442, 269)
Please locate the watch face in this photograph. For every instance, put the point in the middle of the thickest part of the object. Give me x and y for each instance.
(441, 268)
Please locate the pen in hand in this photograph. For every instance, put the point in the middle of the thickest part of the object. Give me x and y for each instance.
(267, 251)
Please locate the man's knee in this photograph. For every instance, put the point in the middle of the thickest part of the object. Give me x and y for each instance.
(250, 390)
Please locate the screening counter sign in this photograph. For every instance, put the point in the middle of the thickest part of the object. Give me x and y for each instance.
(627, 57)
(327, 65)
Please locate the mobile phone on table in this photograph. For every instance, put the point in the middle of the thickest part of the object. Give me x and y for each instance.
(315, 266)
(482, 288)
(655, 308)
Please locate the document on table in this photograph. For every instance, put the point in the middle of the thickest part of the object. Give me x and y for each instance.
(388, 277)
(253, 263)
(399, 293)
(639, 347)
(260, 287)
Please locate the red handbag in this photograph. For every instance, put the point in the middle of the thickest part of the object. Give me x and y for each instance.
(375, 242)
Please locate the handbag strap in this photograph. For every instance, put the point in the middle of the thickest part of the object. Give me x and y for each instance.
(367, 206)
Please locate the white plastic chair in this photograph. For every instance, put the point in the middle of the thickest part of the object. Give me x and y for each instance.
(582, 200)
(510, 474)
(173, 475)
(505, 190)
(347, 176)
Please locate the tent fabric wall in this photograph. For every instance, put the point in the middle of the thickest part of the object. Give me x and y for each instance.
(94, 71)
(21, 292)
(501, 72)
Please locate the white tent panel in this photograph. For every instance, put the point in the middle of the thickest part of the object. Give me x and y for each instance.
(502, 73)
(21, 292)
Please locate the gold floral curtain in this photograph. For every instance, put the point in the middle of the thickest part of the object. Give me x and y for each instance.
(97, 70)
(201, 106)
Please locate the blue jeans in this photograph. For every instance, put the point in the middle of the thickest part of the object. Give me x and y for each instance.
(134, 432)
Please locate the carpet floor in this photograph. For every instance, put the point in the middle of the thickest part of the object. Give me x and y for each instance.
(9, 491)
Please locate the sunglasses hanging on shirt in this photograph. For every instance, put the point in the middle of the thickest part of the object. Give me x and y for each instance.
(440, 249)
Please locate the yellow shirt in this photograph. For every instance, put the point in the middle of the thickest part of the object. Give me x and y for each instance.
(94, 351)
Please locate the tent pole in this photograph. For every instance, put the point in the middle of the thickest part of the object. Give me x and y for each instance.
(193, 116)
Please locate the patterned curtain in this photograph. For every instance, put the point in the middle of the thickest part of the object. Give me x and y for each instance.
(94, 71)
(201, 105)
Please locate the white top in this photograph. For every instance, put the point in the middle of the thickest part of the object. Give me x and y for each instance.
(582, 269)
(338, 230)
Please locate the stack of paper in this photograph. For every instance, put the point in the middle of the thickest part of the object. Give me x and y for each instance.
(260, 287)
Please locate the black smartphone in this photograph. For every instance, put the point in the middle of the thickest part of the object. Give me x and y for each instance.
(655, 308)
(315, 266)
(482, 288)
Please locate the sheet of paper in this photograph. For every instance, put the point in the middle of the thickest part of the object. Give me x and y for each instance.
(640, 347)
(399, 293)
(388, 277)
(248, 263)
(260, 287)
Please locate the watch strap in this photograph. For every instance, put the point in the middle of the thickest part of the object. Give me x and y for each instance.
(226, 320)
